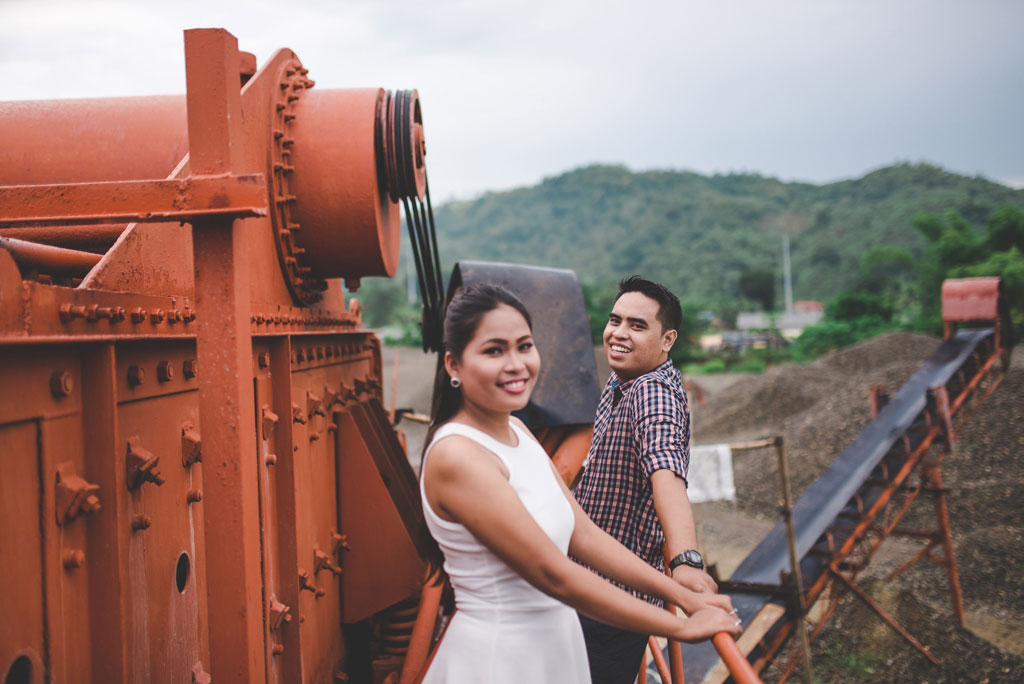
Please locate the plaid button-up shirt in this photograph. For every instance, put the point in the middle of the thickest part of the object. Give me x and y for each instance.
(642, 426)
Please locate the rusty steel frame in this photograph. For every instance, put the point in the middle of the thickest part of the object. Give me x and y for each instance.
(120, 481)
(147, 201)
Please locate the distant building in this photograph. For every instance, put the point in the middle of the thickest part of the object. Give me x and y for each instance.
(808, 305)
(789, 324)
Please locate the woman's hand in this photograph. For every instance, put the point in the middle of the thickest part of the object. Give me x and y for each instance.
(707, 622)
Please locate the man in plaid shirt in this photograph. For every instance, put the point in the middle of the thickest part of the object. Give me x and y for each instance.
(634, 480)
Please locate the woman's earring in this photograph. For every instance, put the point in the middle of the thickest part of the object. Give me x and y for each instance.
(456, 382)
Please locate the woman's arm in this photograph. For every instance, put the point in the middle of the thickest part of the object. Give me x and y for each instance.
(464, 483)
(604, 553)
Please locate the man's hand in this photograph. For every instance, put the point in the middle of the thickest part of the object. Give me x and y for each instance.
(692, 602)
(694, 579)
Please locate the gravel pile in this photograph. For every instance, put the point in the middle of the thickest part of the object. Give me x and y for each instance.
(819, 408)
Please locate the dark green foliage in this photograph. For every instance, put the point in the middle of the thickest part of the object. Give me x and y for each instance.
(830, 335)
(758, 285)
(851, 306)
(955, 250)
(894, 233)
(698, 234)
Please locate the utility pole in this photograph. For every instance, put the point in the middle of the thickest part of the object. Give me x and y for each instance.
(787, 276)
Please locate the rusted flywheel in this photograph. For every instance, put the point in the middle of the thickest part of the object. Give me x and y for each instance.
(304, 286)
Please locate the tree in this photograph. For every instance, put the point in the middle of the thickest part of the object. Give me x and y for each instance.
(758, 285)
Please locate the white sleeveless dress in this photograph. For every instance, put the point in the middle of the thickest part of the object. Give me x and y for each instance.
(504, 630)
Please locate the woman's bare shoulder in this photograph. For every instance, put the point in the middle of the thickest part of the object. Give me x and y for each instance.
(457, 455)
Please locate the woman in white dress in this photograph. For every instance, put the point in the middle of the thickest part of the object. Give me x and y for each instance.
(504, 522)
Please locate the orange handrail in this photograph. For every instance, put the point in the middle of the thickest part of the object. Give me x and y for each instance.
(734, 659)
(422, 630)
(659, 661)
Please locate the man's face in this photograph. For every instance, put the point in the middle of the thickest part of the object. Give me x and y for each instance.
(634, 341)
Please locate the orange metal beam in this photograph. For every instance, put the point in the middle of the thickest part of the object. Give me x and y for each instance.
(224, 350)
(152, 201)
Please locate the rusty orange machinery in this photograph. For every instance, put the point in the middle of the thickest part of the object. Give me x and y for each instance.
(199, 482)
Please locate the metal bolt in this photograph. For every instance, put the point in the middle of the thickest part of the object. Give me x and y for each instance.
(156, 315)
(138, 314)
(165, 371)
(61, 383)
(136, 375)
(189, 368)
(277, 649)
(271, 459)
(73, 558)
(263, 358)
(194, 496)
(141, 522)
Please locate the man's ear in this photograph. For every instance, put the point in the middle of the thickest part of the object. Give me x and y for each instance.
(669, 339)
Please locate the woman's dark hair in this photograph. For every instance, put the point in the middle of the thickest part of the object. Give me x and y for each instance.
(462, 318)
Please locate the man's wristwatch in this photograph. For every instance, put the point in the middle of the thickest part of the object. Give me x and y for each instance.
(689, 557)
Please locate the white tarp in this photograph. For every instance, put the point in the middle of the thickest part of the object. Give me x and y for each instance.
(709, 477)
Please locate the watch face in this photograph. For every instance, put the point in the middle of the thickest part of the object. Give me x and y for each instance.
(693, 557)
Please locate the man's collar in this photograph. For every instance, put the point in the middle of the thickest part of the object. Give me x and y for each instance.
(624, 386)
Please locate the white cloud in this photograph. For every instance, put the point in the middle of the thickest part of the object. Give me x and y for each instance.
(515, 91)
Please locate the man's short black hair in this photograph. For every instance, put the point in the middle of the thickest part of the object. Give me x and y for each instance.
(670, 313)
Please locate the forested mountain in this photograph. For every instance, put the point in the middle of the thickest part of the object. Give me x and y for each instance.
(699, 234)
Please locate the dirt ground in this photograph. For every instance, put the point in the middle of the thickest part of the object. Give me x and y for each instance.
(819, 408)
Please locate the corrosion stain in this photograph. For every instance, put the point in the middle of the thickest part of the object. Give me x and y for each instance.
(219, 200)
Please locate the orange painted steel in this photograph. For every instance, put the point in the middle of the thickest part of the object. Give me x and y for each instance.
(423, 630)
(200, 483)
(970, 299)
(91, 141)
(350, 227)
(49, 257)
(659, 662)
(191, 198)
(735, 661)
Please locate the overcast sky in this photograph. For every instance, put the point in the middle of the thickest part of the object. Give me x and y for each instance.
(513, 92)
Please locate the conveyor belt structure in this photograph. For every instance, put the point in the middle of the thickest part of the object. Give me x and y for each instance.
(842, 518)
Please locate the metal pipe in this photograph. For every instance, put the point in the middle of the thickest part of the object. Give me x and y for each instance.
(49, 258)
(422, 630)
(659, 661)
(91, 140)
(794, 562)
(735, 661)
(87, 237)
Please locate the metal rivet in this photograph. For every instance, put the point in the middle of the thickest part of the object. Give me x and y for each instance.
(194, 496)
(136, 375)
(61, 383)
(189, 368)
(165, 371)
(73, 558)
(141, 522)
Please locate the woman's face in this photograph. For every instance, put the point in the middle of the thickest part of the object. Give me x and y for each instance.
(499, 366)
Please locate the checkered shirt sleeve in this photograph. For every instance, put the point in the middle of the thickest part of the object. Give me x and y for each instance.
(642, 426)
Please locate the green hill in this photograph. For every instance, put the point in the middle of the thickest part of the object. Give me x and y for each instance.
(698, 234)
